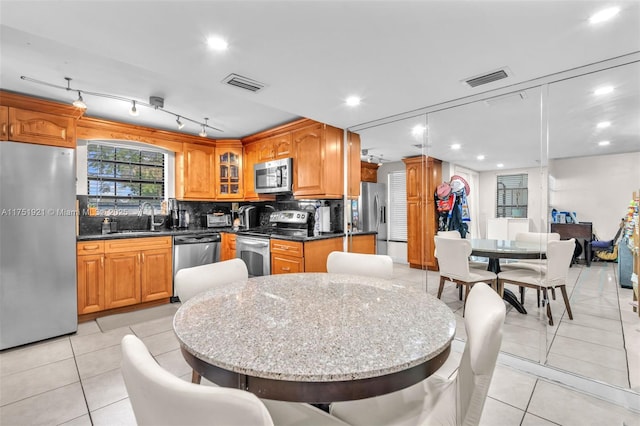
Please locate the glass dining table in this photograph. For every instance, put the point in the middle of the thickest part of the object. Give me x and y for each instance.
(495, 250)
(315, 337)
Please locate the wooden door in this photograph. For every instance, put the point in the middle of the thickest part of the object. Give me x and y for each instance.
(41, 128)
(90, 269)
(309, 159)
(249, 159)
(286, 264)
(198, 172)
(354, 171)
(362, 244)
(228, 171)
(156, 278)
(122, 279)
(228, 244)
(282, 145)
(414, 234)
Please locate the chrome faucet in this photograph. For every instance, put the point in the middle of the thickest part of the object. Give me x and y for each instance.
(153, 220)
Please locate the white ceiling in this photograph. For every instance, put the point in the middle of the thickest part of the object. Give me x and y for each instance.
(398, 56)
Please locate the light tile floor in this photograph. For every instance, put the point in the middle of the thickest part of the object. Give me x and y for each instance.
(76, 380)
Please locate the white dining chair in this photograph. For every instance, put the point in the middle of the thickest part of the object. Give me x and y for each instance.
(160, 398)
(438, 400)
(191, 281)
(559, 255)
(456, 235)
(370, 265)
(453, 262)
(531, 237)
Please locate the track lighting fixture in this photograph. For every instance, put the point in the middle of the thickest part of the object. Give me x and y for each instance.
(203, 132)
(155, 102)
(79, 103)
(133, 111)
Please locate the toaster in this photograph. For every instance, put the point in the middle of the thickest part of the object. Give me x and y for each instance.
(218, 220)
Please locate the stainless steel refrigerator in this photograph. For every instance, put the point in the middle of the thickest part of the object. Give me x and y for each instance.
(372, 212)
(37, 243)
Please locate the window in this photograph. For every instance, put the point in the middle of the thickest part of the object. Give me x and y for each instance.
(122, 178)
(512, 196)
(397, 206)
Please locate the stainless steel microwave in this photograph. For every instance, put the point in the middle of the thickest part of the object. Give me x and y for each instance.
(273, 176)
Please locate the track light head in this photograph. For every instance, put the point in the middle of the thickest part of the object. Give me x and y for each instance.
(79, 103)
(133, 111)
(180, 123)
(203, 132)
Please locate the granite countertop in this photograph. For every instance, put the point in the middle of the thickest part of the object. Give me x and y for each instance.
(143, 233)
(315, 327)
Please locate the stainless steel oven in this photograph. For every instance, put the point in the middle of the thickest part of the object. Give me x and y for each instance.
(254, 251)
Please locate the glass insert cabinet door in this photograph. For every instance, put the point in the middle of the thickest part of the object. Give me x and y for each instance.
(229, 162)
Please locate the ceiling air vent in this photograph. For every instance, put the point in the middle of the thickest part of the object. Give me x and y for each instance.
(243, 83)
(479, 80)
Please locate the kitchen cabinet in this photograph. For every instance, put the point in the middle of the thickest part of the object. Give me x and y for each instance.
(369, 172)
(274, 147)
(195, 177)
(123, 272)
(4, 123)
(354, 171)
(227, 246)
(423, 174)
(317, 165)
(287, 257)
(250, 157)
(228, 166)
(362, 244)
(90, 277)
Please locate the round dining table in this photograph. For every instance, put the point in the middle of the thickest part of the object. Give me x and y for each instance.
(495, 250)
(315, 337)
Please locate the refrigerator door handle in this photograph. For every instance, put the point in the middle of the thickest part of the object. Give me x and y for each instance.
(383, 214)
(376, 204)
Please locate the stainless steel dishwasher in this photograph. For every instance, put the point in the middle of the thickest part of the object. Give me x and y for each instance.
(194, 250)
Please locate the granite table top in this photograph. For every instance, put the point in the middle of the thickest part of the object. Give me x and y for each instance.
(314, 327)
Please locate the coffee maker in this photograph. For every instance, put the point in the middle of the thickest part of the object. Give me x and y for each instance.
(248, 216)
(174, 217)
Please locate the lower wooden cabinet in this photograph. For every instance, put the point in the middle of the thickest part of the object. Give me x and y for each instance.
(227, 246)
(365, 244)
(289, 257)
(123, 272)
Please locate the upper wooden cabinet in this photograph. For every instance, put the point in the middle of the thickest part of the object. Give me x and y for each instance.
(32, 120)
(369, 172)
(317, 165)
(274, 147)
(423, 174)
(195, 176)
(355, 175)
(228, 166)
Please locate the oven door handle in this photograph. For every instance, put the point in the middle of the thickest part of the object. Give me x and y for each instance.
(253, 243)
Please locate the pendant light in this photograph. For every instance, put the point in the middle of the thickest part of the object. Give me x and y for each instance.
(79, 103)
(133, 111)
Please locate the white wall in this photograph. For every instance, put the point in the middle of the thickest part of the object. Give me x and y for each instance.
(598, 188)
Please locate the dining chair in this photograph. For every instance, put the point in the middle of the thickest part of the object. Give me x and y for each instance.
(370, 265)
(453, 261)
(559, 256)
(531, 237)
(438, 400)
(160, 398)
(456, 235)
(194, 280)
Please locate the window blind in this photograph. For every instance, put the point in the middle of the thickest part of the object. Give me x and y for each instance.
(397, 206)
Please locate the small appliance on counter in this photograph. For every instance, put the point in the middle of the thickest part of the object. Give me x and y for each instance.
(218, 220)
(248, 216)
(174, 219)
(183, 219)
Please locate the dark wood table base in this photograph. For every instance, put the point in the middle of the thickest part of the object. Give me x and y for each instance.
(317, 392)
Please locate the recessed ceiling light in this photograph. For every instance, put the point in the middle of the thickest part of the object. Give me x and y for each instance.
(480, 157)
(604, 124)
(604, 15)
(456, 146)
(604, 143)
(418, 130)
(603, 90)
(499, 165)
(217, 43)
(353, 101)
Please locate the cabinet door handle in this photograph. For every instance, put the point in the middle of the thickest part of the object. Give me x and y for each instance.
(286, 269)
(93, 247)
(142, 257)
(139, 258)
(11, 129)
(102, 262)
(4, 128)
